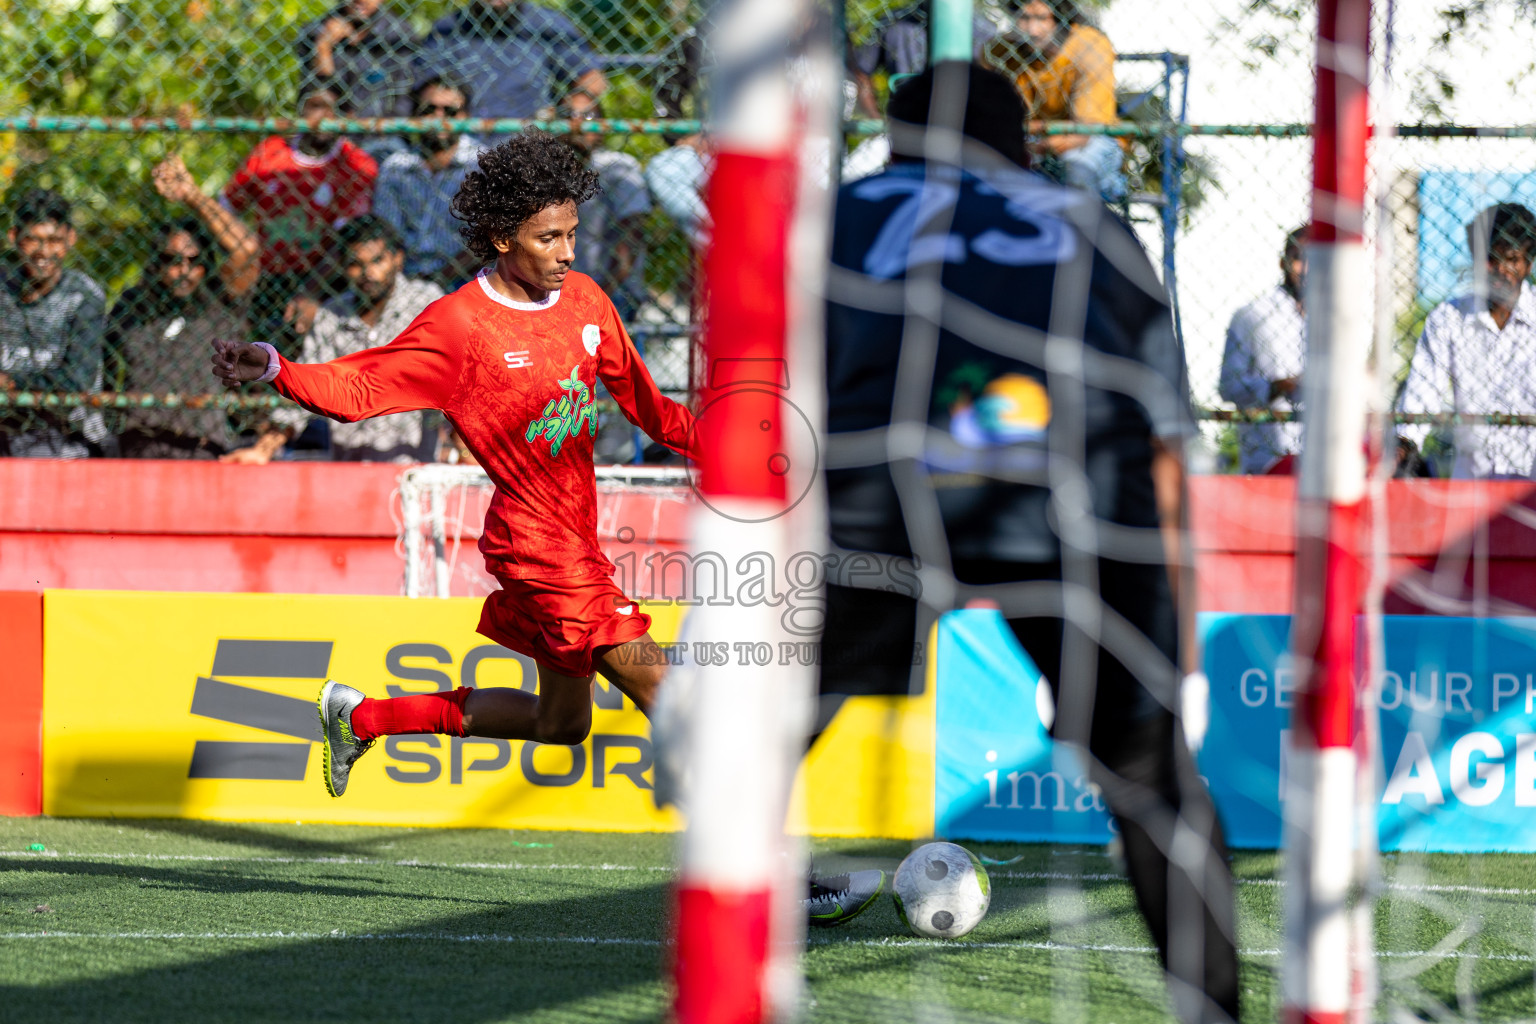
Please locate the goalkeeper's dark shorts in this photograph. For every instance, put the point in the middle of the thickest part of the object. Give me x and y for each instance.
(871, 646)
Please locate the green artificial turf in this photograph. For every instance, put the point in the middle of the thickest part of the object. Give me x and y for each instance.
(208, 921)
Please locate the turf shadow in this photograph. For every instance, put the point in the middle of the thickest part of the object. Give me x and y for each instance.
(237, 879)
(259, 837)
(428, 973)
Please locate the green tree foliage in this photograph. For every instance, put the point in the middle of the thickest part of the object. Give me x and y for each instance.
(1196, 176)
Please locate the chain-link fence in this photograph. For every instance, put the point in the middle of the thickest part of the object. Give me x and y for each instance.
(1451, 139)
(163, 194)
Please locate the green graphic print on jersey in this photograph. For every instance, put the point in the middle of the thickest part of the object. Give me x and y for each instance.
(566, 416)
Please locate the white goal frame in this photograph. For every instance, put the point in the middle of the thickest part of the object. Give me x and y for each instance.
(423, 502)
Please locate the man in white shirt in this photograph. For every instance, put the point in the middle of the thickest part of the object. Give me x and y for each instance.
(1262, 365)
(1477, 355)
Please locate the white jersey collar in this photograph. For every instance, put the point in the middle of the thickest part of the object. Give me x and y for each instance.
(485, 285)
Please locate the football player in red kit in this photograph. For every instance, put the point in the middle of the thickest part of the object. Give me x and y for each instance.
(513, 359)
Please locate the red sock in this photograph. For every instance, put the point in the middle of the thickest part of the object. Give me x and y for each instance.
(429, 712)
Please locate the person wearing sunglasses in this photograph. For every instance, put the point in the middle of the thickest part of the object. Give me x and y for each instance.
(415, 188)
(195, 288)
(611, 246)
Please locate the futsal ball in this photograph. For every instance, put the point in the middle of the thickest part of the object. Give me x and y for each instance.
(941, 891)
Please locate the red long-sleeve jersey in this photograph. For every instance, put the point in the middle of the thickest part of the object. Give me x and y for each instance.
(517, 380)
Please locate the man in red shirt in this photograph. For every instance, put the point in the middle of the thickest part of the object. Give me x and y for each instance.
(300, 190)
(513, 359)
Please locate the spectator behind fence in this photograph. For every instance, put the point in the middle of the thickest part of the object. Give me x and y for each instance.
(517, 57)
(300, 190)
(1066, 70)
(379, 304)
(416, 188)
(1265, 354)
(610, 245)
(363, 54)
(195, 290)
(610, 248)
(1477, 356)
(51, 323)
(899, 47)
(676, 177)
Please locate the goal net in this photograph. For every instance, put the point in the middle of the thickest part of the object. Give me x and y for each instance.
(1249, 807)
(442, 508)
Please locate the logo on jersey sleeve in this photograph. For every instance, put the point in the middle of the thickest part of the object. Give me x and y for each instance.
(566, 416)
(590, 336)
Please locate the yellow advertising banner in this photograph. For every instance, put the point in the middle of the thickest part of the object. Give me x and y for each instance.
(203, 706)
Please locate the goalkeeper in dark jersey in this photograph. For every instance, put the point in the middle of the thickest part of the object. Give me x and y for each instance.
(1007, 400)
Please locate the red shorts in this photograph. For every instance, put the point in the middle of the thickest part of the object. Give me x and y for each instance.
(558, 623)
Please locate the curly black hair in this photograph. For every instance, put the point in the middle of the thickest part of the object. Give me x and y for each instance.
(529, 172)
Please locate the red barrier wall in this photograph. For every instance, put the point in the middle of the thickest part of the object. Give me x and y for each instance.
(329, 528)
(1454, 547)
(146, 525)
(290, 528)
(21, 703)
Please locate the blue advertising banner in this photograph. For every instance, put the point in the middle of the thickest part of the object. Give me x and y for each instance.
(997, 775)
(1458, 735)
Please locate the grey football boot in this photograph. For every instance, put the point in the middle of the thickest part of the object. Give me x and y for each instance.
(339, 749)
(834, 900)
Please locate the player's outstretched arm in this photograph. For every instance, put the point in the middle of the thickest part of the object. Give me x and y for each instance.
(417, 370)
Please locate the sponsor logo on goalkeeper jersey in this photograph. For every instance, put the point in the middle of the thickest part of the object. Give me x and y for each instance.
(1012, 409)
(565, 416)
(995, 421)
